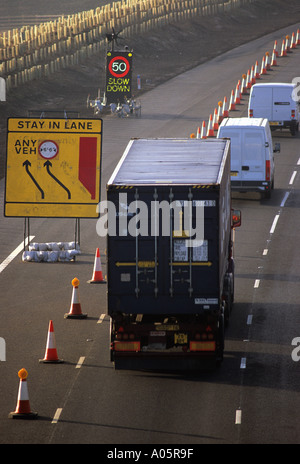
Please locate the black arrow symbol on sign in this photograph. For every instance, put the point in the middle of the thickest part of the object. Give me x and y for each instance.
(26, 164)
(47, 164)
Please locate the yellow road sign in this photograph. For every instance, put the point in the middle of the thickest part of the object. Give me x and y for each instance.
(53, 167)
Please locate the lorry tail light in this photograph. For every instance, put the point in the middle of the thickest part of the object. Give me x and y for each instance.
(131, 336)
(268, 170)
(250, 113)
(210, 336)
(293, 114)
(204, 336)
(203, 346)
(127, 346)
(197, 336)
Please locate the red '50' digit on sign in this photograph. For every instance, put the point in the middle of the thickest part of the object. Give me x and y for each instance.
(119, 66)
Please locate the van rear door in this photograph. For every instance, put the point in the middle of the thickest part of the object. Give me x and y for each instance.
(282, 103)
(261, 103)
(253, 156)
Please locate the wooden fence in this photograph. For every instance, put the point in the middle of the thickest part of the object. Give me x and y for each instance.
(33, 52)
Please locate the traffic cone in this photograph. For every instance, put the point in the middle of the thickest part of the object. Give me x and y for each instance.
(198, 136)
(225, 112)
(263, 69)
(298, 37)
(220, 117)
(244, 87)
(256, 73)
(275, 48)
(203, 130)
(97, 273)
(231, 102)
(75, 308)
(215, 120)
(23, 410)
(283, 49)
(252, 76)
(293, 41)
(287, 47)
(274, 59)
(210, 130)
(51, 352)
(268, 66)
(248, 80)
(237, 96)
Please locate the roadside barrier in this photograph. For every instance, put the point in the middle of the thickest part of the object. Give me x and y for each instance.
(23, 410)
(75, 308)
(97, 277)
(51, 351)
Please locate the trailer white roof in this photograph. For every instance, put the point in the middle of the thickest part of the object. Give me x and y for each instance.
(171, 161)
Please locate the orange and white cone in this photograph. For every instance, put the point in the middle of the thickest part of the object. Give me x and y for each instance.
(210, 130)
(263, 69)
(293, 41)
(275, 48)
(283, 49)
(75, 308)
(298, 37)
(274, 59)
(198, 135)
(287, 47)
(97, 277)
(203, 131)
(220, 116)
(256, 73)
(268, 65)
(252, 75)
(215, 120)
(231, 102)
(23, 410)
(244, 86)
(51, 352)
(225, 111)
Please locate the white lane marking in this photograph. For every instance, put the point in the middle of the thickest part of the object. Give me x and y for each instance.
(272, 230)
(298, 162)
(284, 199)
(249, 319)
(101, 318)
(14, 253)
(265, 252)
(80, 362)
(243, 363)
(293, 178)
(256, 283)
(56, 416)
(238, 416)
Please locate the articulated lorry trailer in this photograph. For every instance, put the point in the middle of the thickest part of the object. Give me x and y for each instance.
(170, 253)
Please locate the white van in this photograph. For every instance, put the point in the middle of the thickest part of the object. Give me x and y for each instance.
(276, 103)
(252, 159)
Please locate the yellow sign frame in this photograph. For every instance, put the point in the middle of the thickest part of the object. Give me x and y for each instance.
(53, 167)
